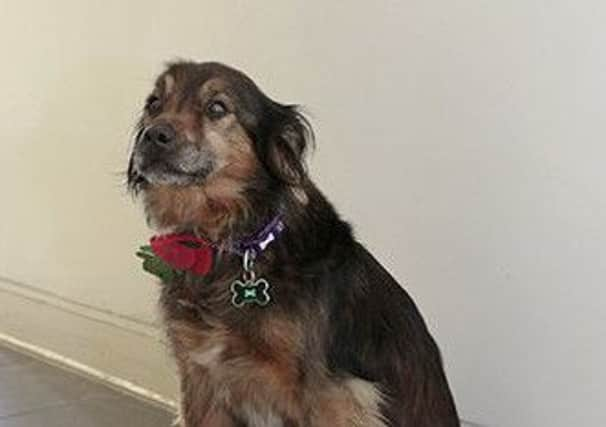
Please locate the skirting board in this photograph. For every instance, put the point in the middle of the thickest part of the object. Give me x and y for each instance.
(128, 356)
(66, 363)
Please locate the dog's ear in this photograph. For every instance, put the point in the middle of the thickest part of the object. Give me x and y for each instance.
(289, 138)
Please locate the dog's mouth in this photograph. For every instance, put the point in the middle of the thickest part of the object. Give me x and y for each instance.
(179, 169)
(162, 173)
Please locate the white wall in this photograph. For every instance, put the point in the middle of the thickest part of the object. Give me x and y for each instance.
(465, 139)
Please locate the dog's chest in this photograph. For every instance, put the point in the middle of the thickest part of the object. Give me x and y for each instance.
(248, 358)
(255, 417)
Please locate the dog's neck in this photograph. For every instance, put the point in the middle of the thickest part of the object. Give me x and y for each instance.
(304, 231)
(256, 241)
(242, 226)
(190, 210)
(229, 220)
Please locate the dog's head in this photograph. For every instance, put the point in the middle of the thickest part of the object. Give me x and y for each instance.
(209, 142)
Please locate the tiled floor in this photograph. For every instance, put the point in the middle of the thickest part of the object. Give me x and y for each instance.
(33, 394)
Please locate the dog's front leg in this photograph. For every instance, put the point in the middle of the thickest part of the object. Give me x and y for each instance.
(199, 406)
(352, 403)
(213, 418)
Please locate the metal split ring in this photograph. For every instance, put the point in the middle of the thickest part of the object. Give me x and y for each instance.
(248, 261)
(248, 276)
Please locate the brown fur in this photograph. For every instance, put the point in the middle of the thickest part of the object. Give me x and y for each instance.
(210, 212)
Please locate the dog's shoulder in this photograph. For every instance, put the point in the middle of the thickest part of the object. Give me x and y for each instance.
(373, 320)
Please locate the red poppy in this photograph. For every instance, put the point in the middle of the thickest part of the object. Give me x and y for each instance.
(184, 252)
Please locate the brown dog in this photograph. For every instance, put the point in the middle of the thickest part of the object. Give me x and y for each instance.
(277, 316)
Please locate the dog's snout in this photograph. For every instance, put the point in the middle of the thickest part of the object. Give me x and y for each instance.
(162, 135)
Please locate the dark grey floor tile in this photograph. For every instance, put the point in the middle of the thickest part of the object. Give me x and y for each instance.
(26, 386)
(93, 413)
(34, 394)
(9, 357)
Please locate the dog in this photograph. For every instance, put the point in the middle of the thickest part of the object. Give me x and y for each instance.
(277, 316)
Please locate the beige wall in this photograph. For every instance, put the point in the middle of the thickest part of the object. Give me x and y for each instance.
(464, 139)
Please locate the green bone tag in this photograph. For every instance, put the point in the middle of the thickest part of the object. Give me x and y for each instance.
(250, 292)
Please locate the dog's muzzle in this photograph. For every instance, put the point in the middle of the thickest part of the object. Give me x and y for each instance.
(159, 157)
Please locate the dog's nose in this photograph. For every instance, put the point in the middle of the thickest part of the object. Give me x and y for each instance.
(162, 135)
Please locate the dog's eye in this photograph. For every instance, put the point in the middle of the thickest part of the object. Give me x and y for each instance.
(216, 109)
(153, 104)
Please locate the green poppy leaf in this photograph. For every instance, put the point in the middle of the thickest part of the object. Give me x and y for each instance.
(159, 268)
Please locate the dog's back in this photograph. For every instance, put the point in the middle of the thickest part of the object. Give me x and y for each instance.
(379, 335)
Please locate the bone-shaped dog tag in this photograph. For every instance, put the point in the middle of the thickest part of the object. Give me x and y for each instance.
(250, 292)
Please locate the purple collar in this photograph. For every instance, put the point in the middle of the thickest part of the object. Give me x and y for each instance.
(257, 242)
